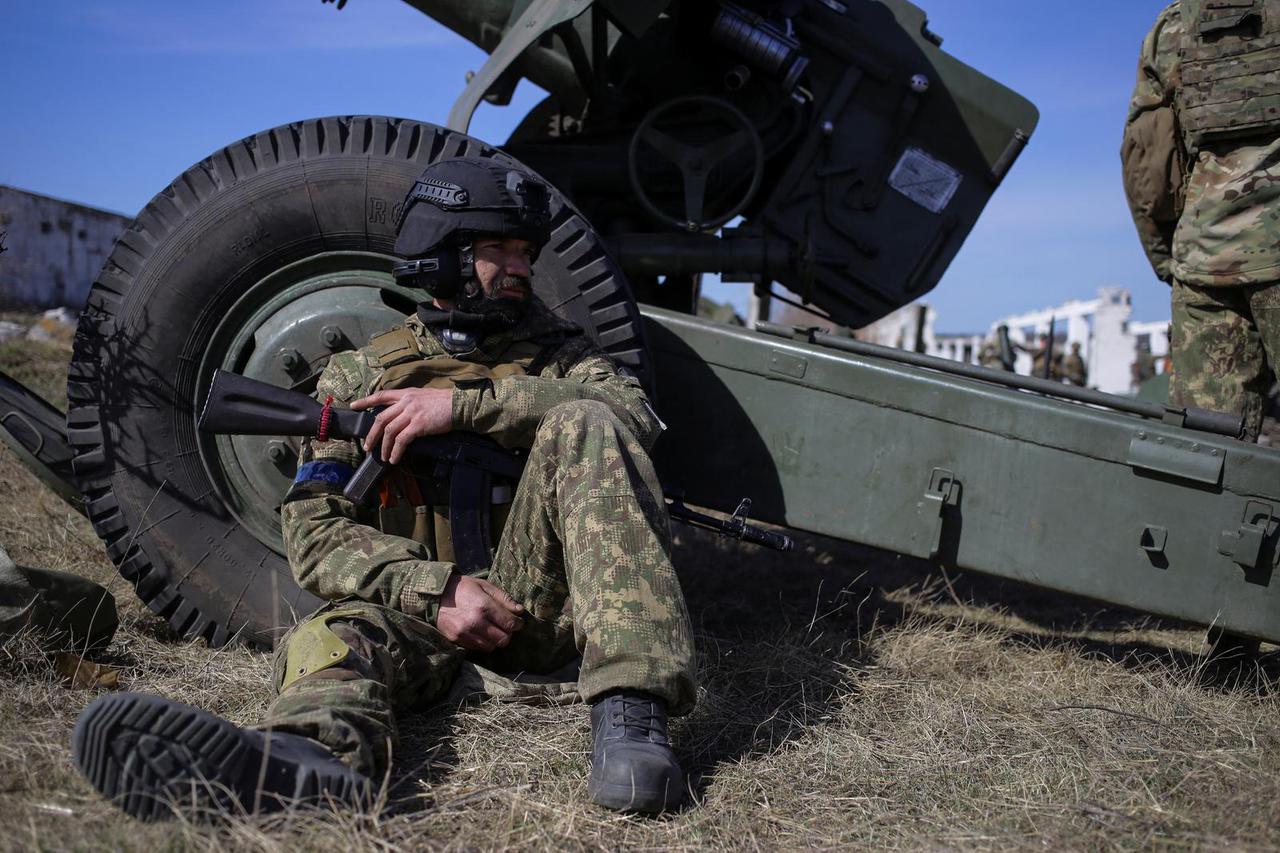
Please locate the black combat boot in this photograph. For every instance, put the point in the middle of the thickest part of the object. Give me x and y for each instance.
(152, 756)
(632, 765)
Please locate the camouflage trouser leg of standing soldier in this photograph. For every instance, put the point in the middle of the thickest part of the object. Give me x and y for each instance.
(586, 550)
(1226, 343)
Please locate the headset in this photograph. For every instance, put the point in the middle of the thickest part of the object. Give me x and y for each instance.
(441, 272)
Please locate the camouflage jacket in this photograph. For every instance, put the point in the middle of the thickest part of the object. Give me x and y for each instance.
(1205, 221)
(336, 550)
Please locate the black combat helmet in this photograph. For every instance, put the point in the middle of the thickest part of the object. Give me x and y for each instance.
(452, 203)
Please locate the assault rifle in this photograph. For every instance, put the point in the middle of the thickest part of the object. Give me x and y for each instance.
(238, 405)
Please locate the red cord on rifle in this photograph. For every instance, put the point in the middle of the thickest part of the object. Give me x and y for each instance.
(325, 414)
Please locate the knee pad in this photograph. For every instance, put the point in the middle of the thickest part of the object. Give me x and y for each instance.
(315, 646)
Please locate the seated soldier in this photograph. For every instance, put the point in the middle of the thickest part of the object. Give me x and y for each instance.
(582, 565)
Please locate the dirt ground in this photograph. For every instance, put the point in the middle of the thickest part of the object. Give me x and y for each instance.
(849, 699)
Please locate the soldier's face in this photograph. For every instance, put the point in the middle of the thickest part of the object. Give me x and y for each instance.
(503, 267)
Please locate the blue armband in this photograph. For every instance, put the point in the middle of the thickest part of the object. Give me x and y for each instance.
(334, 473)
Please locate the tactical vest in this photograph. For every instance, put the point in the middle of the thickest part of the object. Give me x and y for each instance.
(417, 507)
(1230, 64)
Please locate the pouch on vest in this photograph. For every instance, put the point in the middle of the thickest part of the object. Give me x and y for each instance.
(1230, 67)
(404, 366)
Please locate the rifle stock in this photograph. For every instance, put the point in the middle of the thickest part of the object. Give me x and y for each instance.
(238, 405)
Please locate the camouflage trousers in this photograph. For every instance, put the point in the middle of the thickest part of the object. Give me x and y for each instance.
(1225, 347)
(587, 551)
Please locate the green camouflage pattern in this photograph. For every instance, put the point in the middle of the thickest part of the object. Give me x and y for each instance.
(336, 550)
(586, 549)
(1210, 220)
(1230, 70)
(1224, 340)
(394, 662)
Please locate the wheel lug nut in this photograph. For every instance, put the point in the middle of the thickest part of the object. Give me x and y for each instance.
(276, 451)
(333, 337)
(291, 359)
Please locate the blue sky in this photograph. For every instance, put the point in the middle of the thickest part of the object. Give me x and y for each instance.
(106, 102)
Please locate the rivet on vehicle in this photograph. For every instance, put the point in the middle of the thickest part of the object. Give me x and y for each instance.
(1142, 436)
(1160, 440)
(828, 128)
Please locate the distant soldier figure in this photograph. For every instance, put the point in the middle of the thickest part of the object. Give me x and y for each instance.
(1039, 354)
(1074, 368)
(1143, 366)
(1201, 161)
(989, 355)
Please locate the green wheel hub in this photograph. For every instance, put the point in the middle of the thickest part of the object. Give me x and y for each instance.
(282, 330)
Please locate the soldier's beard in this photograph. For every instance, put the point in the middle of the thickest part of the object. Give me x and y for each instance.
(499, 309)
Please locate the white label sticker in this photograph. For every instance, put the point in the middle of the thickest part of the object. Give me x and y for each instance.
(928, 182)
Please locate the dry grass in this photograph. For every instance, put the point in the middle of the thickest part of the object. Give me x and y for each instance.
(849, 699)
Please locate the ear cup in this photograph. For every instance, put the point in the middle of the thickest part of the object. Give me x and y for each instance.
(440, 273)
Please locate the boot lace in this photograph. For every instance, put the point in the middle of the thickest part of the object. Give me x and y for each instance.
(635, 714)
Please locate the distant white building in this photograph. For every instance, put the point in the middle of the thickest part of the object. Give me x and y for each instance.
(910, 328)
(957, 347)
(1108, 340)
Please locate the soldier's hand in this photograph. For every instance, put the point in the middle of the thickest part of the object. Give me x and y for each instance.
(477, 615)
(411, 413)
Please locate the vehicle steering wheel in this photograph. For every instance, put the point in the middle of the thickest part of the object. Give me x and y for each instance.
(695, 160)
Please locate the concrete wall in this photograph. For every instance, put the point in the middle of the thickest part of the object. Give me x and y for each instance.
(54, 248)
(957, 347)
(1114, 350)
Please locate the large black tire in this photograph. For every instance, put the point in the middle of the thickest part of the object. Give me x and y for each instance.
(193, 273)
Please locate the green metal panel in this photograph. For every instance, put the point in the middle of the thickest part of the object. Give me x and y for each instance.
(975, 475)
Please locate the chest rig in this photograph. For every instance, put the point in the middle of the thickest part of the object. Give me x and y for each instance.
(1230, 65)
(415, 504)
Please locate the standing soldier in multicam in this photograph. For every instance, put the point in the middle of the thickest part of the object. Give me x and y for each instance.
(1201, 164)
(582, 565)
(1201, 156)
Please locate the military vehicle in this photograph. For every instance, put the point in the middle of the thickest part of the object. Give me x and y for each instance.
(829, 146)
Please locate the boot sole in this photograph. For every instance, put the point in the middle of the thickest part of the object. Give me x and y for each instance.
(153, 757)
